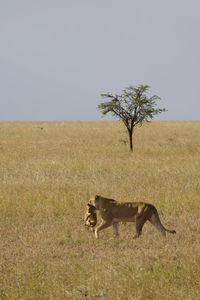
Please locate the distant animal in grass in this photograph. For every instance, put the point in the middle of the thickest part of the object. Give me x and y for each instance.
(90, 218)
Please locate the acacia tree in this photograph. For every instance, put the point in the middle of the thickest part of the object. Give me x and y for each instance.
(133, 107)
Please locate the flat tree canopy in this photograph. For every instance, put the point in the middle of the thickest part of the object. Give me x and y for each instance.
(133, 107)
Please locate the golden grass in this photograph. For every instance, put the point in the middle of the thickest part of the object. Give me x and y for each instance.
(47, 176)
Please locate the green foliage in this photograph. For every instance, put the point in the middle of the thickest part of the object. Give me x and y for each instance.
(133, 107)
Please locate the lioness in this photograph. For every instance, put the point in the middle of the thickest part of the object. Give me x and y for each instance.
(90, 218)
(112, 212)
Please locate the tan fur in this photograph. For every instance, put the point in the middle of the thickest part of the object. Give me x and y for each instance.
(112, 212)
(90, 217)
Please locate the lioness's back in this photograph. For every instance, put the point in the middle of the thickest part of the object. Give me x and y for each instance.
(121, 209)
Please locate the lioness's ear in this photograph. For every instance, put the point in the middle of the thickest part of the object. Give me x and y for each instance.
(89, 204)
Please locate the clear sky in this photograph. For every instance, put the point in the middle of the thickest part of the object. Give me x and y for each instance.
(58, 56)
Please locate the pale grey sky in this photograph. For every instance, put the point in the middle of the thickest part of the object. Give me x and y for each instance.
(58, 56)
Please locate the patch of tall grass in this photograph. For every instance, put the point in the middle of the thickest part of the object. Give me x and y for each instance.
(48, 172)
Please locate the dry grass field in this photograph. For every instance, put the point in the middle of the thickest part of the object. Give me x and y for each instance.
(48, 171)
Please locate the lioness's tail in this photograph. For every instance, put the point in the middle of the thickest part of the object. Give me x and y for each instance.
(155, 220)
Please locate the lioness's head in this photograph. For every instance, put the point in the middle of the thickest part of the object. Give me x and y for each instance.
(101, 202)
(96, 201)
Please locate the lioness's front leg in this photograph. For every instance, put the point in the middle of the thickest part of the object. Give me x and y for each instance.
(104, 224)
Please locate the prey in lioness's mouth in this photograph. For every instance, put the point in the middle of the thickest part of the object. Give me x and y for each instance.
(90, 218)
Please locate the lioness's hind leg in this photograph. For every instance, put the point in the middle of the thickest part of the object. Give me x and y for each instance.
(140, 221)
(116, 229)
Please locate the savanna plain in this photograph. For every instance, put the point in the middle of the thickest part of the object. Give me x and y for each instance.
(48, 172)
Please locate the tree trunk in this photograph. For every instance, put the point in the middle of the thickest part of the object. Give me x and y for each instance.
(131, 139)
